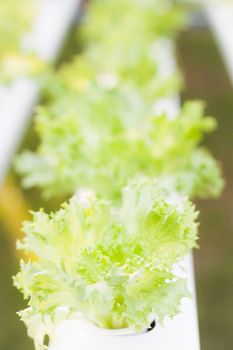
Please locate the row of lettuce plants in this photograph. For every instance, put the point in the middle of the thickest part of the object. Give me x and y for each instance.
(108, 254)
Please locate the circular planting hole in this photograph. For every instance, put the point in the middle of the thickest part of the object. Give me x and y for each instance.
(152, 326)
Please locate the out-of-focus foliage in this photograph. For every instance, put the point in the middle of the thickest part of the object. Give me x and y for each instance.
(82, 149)
(110, 266)
(149, 82)
(15, 23)
(135, 26)
(101, 125)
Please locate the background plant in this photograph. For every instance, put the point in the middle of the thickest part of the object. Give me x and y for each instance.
(100, 125)
(86, 149)
(15, 23)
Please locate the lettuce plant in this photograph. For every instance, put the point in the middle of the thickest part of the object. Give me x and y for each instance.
(125, 38)
(147, 80)
(111, 266)
(130, 60)
(147, 19)
(100, 127)
(139, 66)
(98, 146)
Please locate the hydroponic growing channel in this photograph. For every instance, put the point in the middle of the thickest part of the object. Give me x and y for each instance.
(113, 136)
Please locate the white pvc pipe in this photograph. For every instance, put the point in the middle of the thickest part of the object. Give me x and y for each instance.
(16, 104)
(220, 16)
(181, 333)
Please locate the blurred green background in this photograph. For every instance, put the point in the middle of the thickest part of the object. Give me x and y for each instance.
(207, 79)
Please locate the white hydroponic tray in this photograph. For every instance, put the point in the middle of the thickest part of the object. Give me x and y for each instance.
(17, 101)
(181, 333)
(16, 104)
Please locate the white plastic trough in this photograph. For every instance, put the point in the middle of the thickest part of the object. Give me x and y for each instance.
(182, 332)
(17, 101)
(16, 104)
(220, 16)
